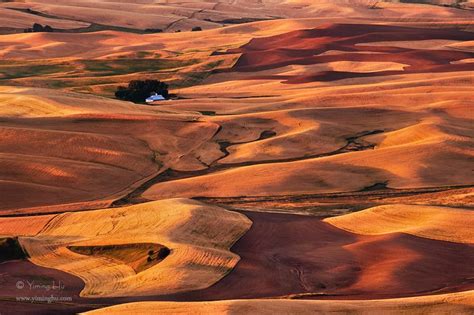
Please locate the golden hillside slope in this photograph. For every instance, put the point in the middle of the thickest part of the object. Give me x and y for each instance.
(85, 151)
(456, 303)
(199, 237)
(176, 15)
(439, 223)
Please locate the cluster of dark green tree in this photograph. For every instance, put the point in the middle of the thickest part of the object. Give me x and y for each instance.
(159, 30)
(39, 28)
(138, 91)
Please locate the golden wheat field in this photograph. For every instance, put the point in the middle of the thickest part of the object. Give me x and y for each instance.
(237, 157)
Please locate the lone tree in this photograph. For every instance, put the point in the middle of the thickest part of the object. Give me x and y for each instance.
(38, 28)
(138, 91)
(196, 29)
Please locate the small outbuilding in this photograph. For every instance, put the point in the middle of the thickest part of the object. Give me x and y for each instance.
(155, 97)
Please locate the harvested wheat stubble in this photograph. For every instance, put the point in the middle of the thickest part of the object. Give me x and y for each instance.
(438, 223)
(198, 236)
(456, 303)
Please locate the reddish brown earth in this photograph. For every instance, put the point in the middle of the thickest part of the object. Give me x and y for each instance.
(302, 47)
(62, 284)
(289, 255)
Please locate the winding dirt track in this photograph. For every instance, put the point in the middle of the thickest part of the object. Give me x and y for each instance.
(326, 205)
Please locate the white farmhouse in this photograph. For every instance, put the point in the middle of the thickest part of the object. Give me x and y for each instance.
(155, 97)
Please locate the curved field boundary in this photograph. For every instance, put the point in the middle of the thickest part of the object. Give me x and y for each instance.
(198, 236)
